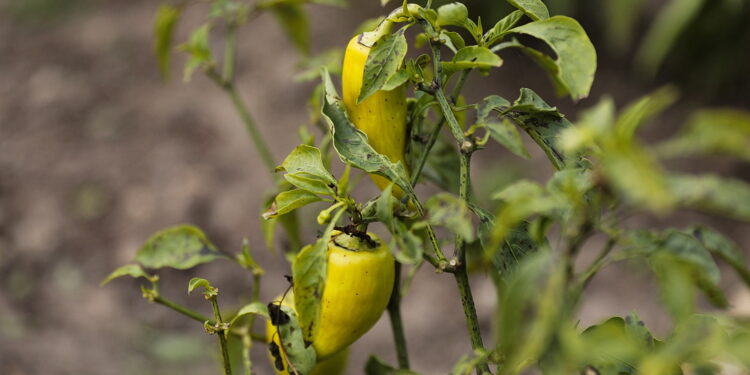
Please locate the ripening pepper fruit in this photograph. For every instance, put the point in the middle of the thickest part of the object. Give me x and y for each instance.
(382, 115)
(359, 281)
(335, 365)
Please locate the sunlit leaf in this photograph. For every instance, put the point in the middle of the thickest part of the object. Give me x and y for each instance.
(351, 144)
(505, 133)
(573, 69)
(641, 111)
(531, 308)
(501, 28)
(253, 308)
(197, 282)
(542, 122)
(712, 132)
(132, 270)
(181, 247)
(452, 14)
(726, 196)
(450, 212)
(199, 54)
(290, 200)
(384, 59)
(471, 57)
(535, 9)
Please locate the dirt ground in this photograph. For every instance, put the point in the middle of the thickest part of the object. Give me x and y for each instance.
(97, 153)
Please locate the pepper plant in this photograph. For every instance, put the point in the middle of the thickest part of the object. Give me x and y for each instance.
(603, 174)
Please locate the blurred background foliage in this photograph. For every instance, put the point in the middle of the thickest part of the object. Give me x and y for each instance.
(65, 99)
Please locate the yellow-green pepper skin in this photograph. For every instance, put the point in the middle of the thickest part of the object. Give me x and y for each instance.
(382, 115)
(358, 286)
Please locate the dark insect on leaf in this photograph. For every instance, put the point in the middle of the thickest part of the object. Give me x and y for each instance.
(289, 279)
(278, 362)
(278, 317)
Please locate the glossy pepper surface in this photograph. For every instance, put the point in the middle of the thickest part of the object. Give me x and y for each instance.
(382, 115)
(359, 281)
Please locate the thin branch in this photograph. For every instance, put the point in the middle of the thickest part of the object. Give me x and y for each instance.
(221, 332)
(247, 120)
(394, 312)
(258, 337)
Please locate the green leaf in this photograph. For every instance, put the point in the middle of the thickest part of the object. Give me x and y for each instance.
(396, 80)
(351, 144)
(665, 29)
(505, 133)
(725, 248)
(616, 346)
(488, 104)
(293, 20)
(681, 259)
(196, 282)
(516, 247)
(452, 14)
(164, 24)
(450, 212)
(593, 124)
(408, 243)
(642, 110)
(471, 57)
(573, 70)
(634, 172)
(542, 122)
(310, 183)
(305, 170)
(384, 206)
(501, 28)
(300, 356)
(712, 132)
(181, 247)
(199, 54)
(530, 310)
(452, 40)
(535, 9)
(523, 200)
(384, 59)
(725, 196)
(290, 200)
(309, 274)
(253, 308)
(442, 165)
(133, 270)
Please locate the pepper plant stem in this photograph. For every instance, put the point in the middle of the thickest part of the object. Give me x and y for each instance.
(252, 129)
(436, 131)
(222, 336)
(394, 312)
(198, 317)
(462, 278)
